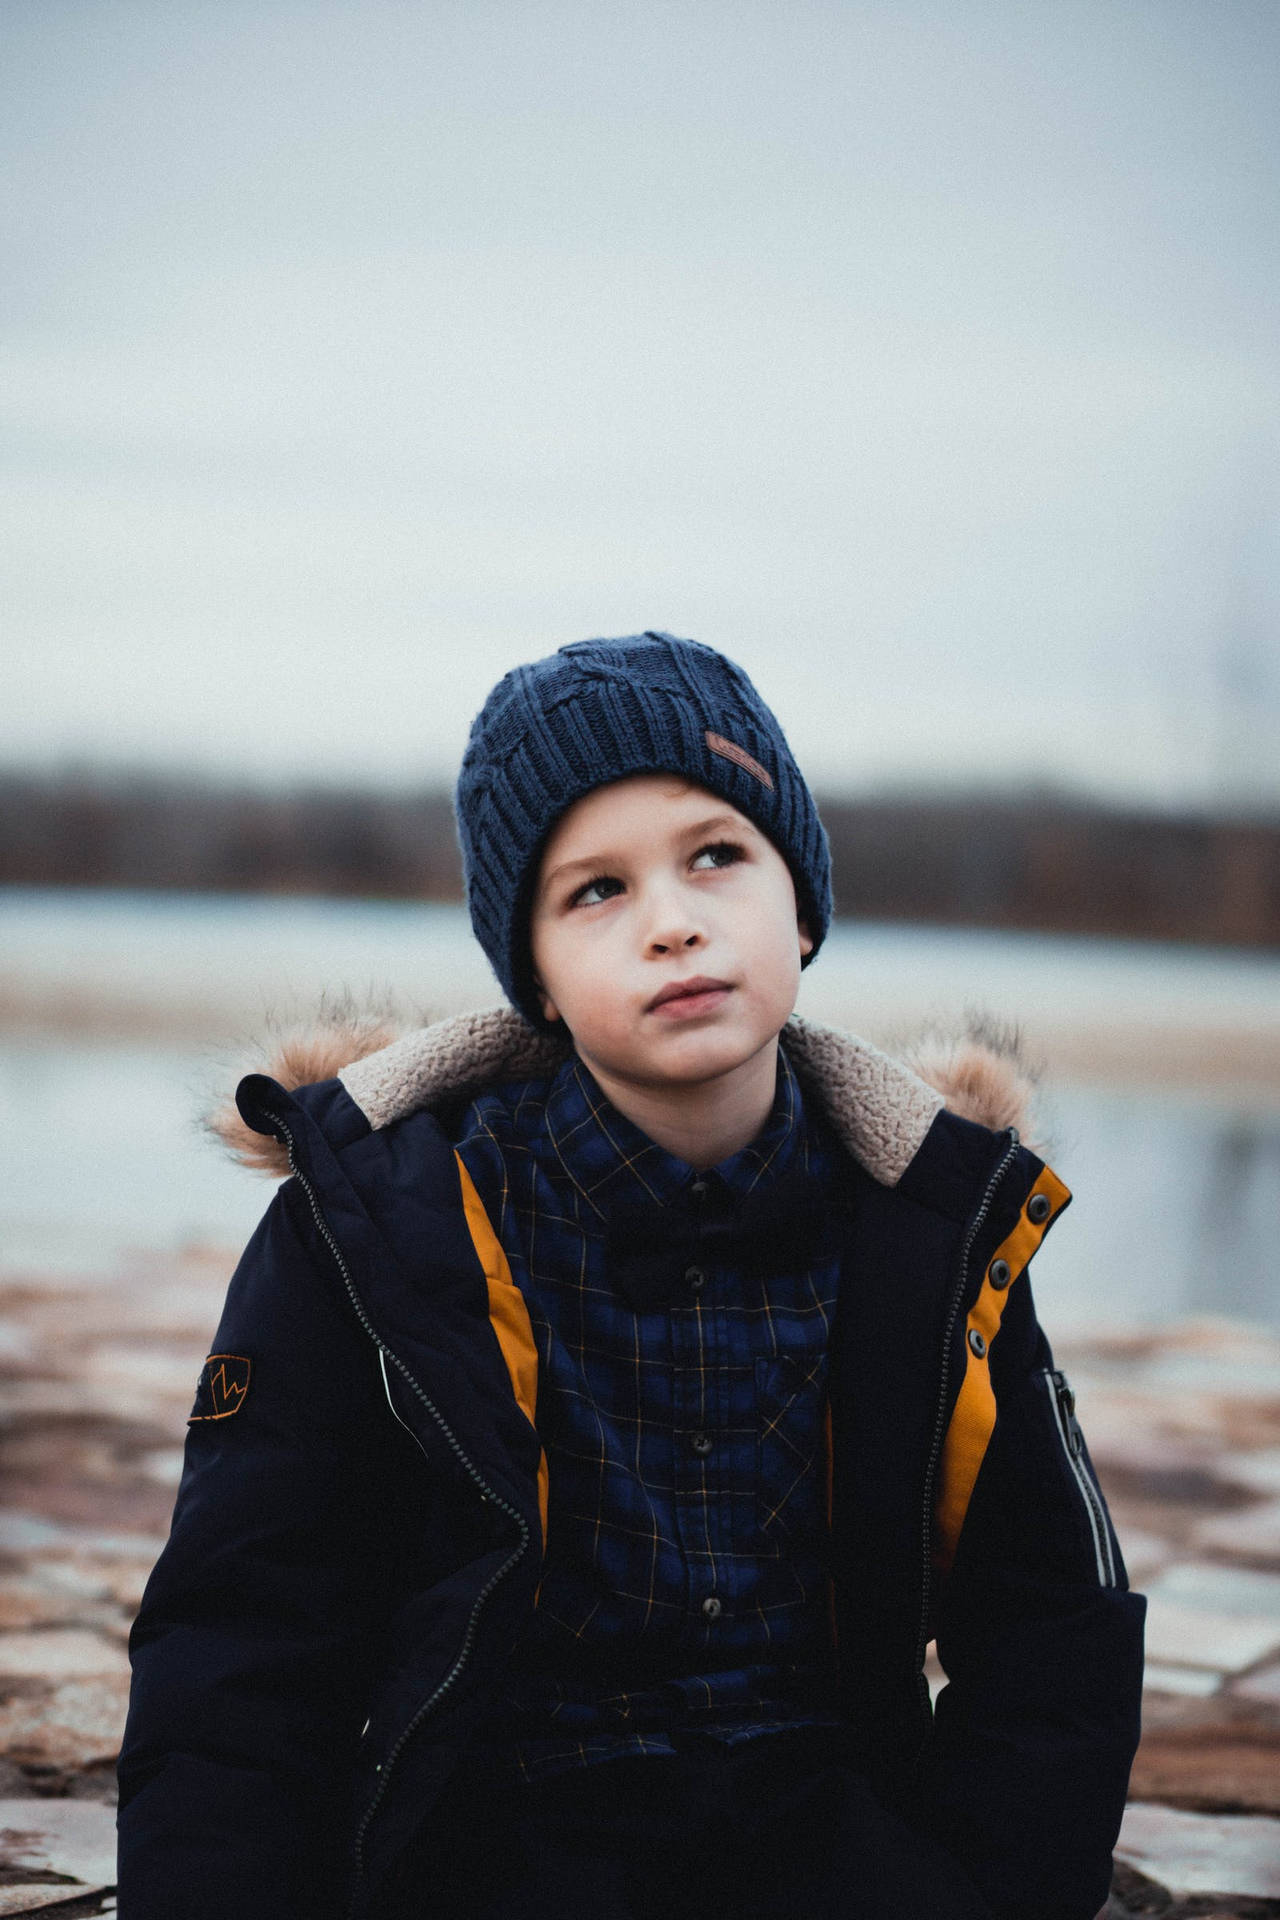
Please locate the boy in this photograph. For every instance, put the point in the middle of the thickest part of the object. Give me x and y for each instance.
(615, 1402)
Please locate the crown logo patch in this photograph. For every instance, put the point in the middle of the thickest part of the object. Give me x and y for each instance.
(222, 1387)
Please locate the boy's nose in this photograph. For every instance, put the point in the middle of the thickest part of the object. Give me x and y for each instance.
(674, 942)
(673, 926)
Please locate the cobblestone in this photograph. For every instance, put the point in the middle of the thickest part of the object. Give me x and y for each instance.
(1184, 1425)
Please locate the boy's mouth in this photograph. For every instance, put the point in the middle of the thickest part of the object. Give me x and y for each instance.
(684, 998)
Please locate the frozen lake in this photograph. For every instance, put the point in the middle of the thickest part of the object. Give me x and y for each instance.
(121, 1015)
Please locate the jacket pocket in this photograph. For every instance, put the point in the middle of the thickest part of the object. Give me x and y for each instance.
(790, 1393)
(1071, 1443)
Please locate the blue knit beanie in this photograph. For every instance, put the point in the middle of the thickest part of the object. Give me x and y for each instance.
(595, 712)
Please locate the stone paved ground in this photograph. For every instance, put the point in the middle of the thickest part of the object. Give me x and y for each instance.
(98, 1379)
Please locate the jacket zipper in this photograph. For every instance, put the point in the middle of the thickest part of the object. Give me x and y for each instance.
(487, 1493)
(1068, 1427)
(940, 1418)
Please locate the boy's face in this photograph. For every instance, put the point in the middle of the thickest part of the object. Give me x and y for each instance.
(645, 886)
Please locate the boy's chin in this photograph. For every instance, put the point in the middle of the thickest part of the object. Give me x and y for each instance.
(692, 1060)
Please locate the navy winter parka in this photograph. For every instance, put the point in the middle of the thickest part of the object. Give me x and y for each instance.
(359, 1529)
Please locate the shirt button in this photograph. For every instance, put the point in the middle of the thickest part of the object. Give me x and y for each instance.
(701, 1443)
(695, 1278)
(712, 1606)
(699, 1190)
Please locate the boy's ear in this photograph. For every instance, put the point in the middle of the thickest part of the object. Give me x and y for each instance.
(550, 1011)
(806, 938)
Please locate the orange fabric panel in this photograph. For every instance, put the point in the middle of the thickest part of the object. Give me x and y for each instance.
(973, 1417)
(510, 1318)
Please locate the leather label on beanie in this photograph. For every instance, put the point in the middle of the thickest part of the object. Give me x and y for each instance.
(728, 750)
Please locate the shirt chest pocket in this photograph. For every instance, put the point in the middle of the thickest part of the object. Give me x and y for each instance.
(790, 1405)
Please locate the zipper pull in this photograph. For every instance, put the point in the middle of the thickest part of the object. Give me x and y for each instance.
(1067, 1412)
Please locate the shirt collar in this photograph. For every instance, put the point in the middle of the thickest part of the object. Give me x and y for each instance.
(612, 1162)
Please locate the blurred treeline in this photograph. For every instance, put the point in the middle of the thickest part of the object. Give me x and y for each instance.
(1035, 860)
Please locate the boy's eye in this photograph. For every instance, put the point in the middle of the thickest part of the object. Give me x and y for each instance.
(592, 892)
(719, 853)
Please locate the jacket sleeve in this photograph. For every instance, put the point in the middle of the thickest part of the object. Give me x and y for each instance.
(258, 1629)
(1028, 1763)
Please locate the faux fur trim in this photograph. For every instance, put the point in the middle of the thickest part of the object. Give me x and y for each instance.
(982, 1073)
(880, 1107)
(338, 1034)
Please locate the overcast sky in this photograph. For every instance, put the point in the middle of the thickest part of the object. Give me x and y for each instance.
(924, 356)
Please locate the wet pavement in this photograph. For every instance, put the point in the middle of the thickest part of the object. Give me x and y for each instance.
(98, 1378)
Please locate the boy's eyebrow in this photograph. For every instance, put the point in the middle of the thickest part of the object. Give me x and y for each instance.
(601, 862)
(720, 823)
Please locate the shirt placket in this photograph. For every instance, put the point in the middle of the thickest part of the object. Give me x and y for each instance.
(698, 1419)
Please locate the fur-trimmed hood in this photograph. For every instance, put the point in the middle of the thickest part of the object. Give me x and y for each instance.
(880, 1107)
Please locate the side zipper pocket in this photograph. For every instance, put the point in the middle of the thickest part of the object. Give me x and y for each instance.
(1063, 1401)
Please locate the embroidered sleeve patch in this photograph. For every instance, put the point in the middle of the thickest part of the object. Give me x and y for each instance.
(221, 1388)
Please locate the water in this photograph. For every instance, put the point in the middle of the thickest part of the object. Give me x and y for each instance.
(1177, 1185)
(221, 962)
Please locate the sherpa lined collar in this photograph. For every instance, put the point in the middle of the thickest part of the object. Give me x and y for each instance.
(880, 1108)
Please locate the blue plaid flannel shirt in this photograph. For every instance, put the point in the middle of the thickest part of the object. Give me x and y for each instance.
(682, 1330)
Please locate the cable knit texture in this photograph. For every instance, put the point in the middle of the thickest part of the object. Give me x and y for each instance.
(880, 1107)
(598, 711)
